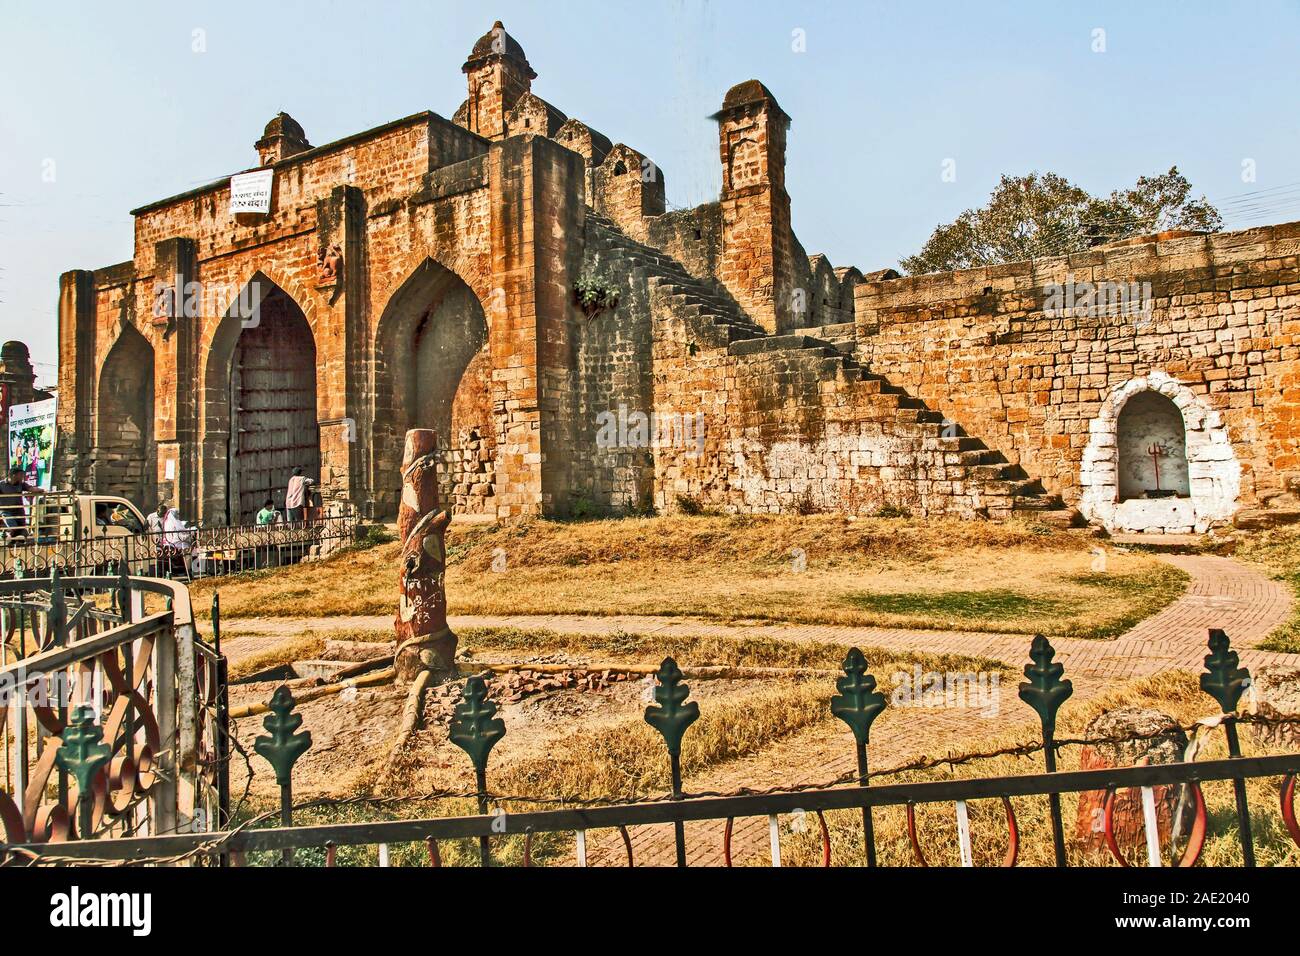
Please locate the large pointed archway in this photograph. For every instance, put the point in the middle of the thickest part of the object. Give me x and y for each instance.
(260, 404)
(124, 421)
(433, 370)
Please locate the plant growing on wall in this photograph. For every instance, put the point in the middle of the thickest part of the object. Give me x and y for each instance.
(594, 294)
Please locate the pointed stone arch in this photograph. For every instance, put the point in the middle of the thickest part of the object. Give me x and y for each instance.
(124, 420)
(432, 369)
(259, 400)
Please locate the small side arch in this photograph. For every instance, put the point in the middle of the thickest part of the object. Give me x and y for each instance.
(1121, 502)
(124, 421)
(432, 370)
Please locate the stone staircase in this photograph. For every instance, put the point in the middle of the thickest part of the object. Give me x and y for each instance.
(708, 309)
(719, 322)
(1005, 487)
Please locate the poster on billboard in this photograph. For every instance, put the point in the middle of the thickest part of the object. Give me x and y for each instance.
(31, 441)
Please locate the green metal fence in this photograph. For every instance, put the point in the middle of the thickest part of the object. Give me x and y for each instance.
(112, 712)
(476, 728)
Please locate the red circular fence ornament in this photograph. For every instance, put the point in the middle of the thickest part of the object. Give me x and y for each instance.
(1013, 835)
(1195, 839)
(821, 820)
(1288, 807)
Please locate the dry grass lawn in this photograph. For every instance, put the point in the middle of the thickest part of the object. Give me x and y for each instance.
(1278, 553)
(1014, 577)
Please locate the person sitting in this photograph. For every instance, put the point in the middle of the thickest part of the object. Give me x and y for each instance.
(156, 518)
(177, 542)
(268, 515)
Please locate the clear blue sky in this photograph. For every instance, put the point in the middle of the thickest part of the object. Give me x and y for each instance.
(114, 95)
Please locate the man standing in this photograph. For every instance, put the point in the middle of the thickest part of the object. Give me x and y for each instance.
(296, 495)
(13, 511)
(157, 518)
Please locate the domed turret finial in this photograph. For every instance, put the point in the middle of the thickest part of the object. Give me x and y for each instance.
(283, 137)
(497, 43)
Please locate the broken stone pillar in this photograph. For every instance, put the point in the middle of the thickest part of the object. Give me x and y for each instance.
(424, 641)
(1166, 744)
(1275, 694)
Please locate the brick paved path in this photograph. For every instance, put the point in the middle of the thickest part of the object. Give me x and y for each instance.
(1222, 593)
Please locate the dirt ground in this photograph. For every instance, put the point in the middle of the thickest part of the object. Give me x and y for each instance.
(582, 734)
(353, 731)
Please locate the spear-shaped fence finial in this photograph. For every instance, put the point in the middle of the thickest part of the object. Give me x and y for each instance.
(476, 728)
(671, 715)
(281, 750)
(83, 753)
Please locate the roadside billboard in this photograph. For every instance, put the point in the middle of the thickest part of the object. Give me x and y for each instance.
(31, 441)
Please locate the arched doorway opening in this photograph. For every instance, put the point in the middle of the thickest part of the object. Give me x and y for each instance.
(124, 435)
(260, 404)
(433, 370)
(1200, 476)
(1152, 442)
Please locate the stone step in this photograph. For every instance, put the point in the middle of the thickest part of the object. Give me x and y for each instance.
(920, 416)
(698, 301)
(1259, 519)
(1062, 518)
(1004, 488)
(981, 456)
(774, 343)
(1040, 503)
(962, 443)
(1165, 543)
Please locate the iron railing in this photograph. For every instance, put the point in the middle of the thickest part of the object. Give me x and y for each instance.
(112, 711)
(476, 728)
(198, 552)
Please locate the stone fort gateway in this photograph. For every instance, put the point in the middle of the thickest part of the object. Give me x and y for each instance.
(512, 278)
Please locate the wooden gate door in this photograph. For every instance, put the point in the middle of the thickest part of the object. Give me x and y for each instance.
(273, 408)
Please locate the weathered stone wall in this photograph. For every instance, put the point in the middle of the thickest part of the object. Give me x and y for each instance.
(614, 374)
(692, 237)
(1046, 390)
(794, 427)
(469, 473)
(536, 233)
(628, 188)
(434, 262)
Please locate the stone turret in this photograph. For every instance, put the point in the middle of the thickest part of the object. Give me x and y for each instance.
(499, 75)
(282, 138)
(17, 374)
(758, 258)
